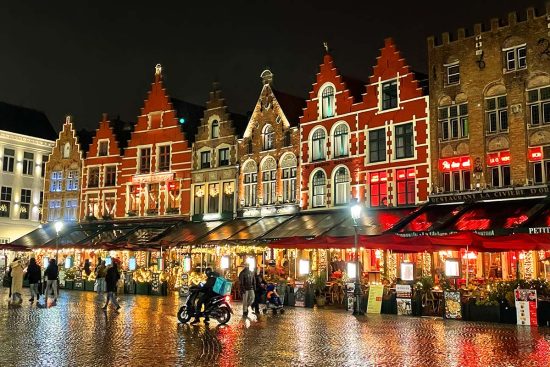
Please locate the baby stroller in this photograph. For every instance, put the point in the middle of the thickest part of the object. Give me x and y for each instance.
(273, 301)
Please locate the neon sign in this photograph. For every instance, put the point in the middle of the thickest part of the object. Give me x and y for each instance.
(455, 164)
(535, 154)
(499, 158)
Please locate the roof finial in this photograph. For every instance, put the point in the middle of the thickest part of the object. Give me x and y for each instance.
(68, 119)
(158, 71)
(325, 45)
(267, 76)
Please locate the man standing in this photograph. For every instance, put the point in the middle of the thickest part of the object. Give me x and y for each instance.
(247, 282)
(33, 275)
(51, 274)
(111, 280)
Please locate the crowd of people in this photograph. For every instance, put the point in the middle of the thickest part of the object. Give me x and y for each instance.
(47, 282)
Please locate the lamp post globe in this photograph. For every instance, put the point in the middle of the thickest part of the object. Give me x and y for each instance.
(356, 210)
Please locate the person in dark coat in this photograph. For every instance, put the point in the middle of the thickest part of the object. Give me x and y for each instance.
(34, 274)
(111, 280)
(87, 268)
(51, 274)
(205, 294)
(247, 283)
(259, 291)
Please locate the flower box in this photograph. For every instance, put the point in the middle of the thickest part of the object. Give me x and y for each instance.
(142, 288)
(481, 313)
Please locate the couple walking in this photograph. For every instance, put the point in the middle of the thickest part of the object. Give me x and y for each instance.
(252, 287)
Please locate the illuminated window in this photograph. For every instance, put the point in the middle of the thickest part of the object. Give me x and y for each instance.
(28, 163)
(198, 203)
(213, 198)
(327, 102)
(223, 157)
(109, 201)
(205, 159)
(56, 181)
(5, 201)
(453, 121)
(72, 180)
(497, 114)
(538, 103)
(268, 137)
(341, 141)
(54, 212)
(8, 160)
(289, 185)
(70, 210)
(25, 205)
(318, 145)
(215, 129)
(145, 160)
(319, 189)
(378, 189)
(406, 193)
(250, 182)
(342, 187)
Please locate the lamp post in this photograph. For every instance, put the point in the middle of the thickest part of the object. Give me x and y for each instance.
(358, 293)
(58, 227)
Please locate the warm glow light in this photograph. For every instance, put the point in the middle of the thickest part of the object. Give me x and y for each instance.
(187, 264)
(304, 267)
(69, 262)
(356, 211)
(224, 262)
(351, 270)
(470, 255)
(45, 261)
(378, 254)
(407, 271)
(251, 261)
(452, 268)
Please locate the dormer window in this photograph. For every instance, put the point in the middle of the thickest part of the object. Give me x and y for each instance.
(327, 102)
(268, 137)
(389, 95)
(215, 129)
(103, 148)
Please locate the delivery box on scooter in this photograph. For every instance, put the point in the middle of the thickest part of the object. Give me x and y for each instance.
(222, 286)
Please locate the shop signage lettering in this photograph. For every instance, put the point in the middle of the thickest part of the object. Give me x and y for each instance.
(152, 178)
(493, 194)
(455, 164)
(269, 211)
(499, 158)
(535, 154)
(538, 230)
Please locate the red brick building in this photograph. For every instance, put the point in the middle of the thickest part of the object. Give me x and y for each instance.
(394, 118)
(331, 160)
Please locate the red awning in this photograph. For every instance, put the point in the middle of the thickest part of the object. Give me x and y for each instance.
(517, 242)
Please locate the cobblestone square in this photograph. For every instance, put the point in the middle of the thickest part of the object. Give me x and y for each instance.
(76, 332)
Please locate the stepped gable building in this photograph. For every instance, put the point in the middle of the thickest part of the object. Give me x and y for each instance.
(155, 175)
(26, 140)
(394, 116)
(490, 105)
(102, 166)
(331, 155)
(215, 162)
(62, 182)
(268, 154)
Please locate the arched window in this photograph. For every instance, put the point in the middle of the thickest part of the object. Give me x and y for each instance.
(269, 176)
(341, 186)
(318, 145)
(215, 129)
(67, 150)
(341, 141)
(267, 137)
(319, 189)
(327, 105)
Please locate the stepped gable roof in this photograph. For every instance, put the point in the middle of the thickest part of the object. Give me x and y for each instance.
(292, 106)
(26, 121)
(191, 114)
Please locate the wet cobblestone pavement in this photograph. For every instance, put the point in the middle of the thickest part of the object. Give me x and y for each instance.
(77, 332)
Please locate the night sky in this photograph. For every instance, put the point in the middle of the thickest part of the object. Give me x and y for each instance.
(89, 57)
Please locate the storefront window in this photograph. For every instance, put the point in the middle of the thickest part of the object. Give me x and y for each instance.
(342, 187)
(406, 193)
(228, 197)
(153, 191)
(109, 203)
(173, 195)
(135, 193)
(92, 206)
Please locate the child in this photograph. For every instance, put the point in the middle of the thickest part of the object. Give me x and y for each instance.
(273, 296)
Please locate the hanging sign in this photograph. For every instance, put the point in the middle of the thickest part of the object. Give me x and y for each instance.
(526, 306)
(375, 298)
(404, 302)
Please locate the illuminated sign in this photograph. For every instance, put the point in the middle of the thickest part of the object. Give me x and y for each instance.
(535, 154)
(455, 164)
(499, 158)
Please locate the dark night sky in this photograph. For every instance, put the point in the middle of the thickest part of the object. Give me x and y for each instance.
(89, 57)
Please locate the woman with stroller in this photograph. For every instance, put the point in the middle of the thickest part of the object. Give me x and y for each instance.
(259, 291)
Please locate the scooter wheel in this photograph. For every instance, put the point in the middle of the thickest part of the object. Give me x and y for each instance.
(183, 315)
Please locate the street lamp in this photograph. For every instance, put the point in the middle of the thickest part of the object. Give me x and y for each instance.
(358, 293)
(58, 227)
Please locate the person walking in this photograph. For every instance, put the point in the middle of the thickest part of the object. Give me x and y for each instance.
(87, 268)
(247, 282)
(51, 274)
(16, 281)
(100, 273)
(34, 274)
(259, 291)
(111, 279)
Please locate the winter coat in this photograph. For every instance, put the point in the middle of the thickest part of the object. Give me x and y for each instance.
(51, 272)
(33, 273)
(16, 277)
(247, 280)
(111, 279)
(101, 271)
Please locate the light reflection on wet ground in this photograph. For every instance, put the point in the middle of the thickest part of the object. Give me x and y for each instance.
(77, 332)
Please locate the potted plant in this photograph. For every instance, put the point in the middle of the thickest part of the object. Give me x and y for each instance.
(319, 284)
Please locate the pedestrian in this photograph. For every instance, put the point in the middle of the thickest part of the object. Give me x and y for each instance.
(259, 291)
(247, 282)
(33, 275)
(16, 281)
(51, 274)
(87, 269)
(101, 272)
(111, 279)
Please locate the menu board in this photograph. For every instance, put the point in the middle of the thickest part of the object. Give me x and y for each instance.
(155, 284)
(526, 306)
(300, 294)
(404, 302)
(453, 308)
(375, 298)
(350, 290)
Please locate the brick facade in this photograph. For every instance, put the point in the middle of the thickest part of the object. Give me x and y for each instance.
(215, 171)
(268, 154)
(64, 166)
(488, 92)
